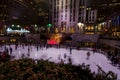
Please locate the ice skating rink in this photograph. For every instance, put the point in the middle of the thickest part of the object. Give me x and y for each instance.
(57, 54)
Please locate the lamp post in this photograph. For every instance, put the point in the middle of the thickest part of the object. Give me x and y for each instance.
(49, 26)
(80, 25)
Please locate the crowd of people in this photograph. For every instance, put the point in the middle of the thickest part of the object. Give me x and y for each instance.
(114, 57)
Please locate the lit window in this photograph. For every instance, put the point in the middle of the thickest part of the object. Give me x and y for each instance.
(21, 0)
(114, 0)
(31, 2)
(1, 14)
(4, 5)
(33, 8)
(87, 8)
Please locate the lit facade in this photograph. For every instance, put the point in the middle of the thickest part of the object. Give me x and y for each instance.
(108, 17)
(66, 14)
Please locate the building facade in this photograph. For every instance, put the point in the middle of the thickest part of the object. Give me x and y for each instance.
(108, 17)
(18, 11)
(66, 14)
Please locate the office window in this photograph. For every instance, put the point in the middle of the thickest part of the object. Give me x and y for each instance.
(57, 7)
(65, 15)
(66, 1)
(54, 20)
(66, 7)
(65, 10)
(57, 2)
(70, 18)
(73, 18)
(4, 5)
(62, 2)
(65, 18)
(54, 15)
(31, 2)
(62, 10)
(74, 3)
(21, 0)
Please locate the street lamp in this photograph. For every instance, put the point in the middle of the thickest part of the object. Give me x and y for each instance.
(80, 25)
(18, 26)
(49, 26)
(13, 25)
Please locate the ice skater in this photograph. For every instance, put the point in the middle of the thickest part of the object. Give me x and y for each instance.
(37, 48)
(59, 56)
(28, 49)
(10, 49)
(70, 50)
(65, 55)
(88, 55)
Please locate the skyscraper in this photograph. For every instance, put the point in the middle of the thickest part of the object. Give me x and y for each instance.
(66, 14)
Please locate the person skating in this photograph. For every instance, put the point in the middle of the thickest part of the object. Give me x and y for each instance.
(10, 50)
(88, 55)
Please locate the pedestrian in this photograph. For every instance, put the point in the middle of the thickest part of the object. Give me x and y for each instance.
(10, 50)
(70, 50)
(65, 55)
(28, 49)
(3, 55)
(88, 55)
(59, 56)
(37, 48)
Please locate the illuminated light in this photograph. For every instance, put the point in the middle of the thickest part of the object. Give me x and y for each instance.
(72, 30)
(3, 40)
(63, 29)
(92, 28)
(105, 29)
(89, 28)
(54, 39)
(51, 42)
(80, 24)
(86, 28)
(21, 0)
(26, 27)
(18, 26)
(56, 30)
(12, 40)
(24, 31)
(31, 2)
(35, 25)
(49, 25)
(13, 25)
(9, 30)
(15, 17)
(103, 23)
